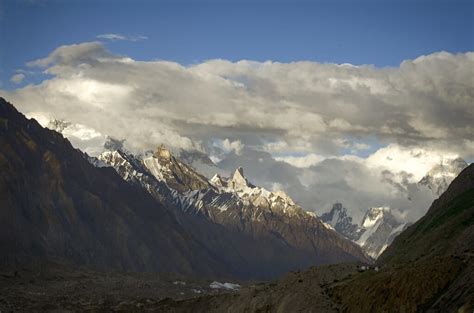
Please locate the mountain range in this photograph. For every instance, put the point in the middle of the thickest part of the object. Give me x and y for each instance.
(270, 218)
(379, 227)
(147, 213)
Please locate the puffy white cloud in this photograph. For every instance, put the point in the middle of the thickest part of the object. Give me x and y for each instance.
(414, 160)
(235, 146)
(307, 105)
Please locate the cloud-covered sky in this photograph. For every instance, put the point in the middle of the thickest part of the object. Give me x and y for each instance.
(286, 94)
(324, 132)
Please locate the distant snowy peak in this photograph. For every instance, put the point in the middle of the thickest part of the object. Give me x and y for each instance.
(127, 165)
(238, 182)
(339, 220)
(258, 197)
(373, 216)
(376, 231)
(380, 228)
(441, 175)
(217, 181)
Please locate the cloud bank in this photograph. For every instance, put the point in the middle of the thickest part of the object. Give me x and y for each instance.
(307, 125)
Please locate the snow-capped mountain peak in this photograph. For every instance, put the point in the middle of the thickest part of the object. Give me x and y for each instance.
(441, 175)
(339, 219)
(373, 215)
(233, 201)
(239, 181)
(375, 232)
(380, 228)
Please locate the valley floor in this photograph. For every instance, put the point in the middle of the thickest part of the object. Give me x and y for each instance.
(63, 289)
(440, 284)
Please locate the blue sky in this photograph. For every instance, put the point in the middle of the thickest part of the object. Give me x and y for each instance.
(382, 33)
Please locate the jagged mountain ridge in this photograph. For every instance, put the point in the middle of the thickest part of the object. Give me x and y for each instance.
(339, 219)
(379, 227)
(57, 206)
(375, 232)
(235, 204)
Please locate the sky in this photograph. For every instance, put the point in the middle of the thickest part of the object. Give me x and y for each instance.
(332, 101)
